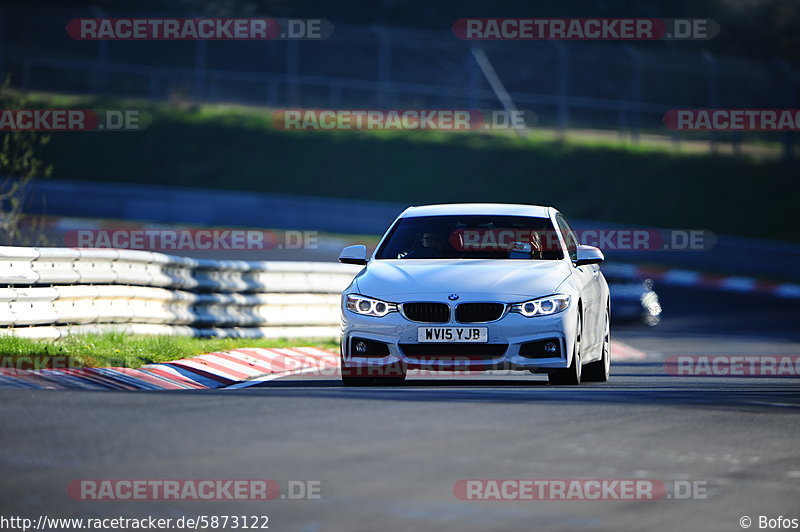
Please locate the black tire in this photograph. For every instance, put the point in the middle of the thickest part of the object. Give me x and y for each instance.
(388, 381)
(600, 370)
(392, 375)
(372, 376)
(350, 380)
(352, 376)
(356, 381)
(572, 374)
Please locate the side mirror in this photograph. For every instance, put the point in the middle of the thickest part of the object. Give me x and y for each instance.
(520, 250)
(588, 255)
(354, 255)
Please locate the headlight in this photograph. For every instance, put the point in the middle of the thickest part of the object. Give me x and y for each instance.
(544, 306)
(368, 306)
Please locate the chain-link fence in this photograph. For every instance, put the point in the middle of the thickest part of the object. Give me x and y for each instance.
(596, 85)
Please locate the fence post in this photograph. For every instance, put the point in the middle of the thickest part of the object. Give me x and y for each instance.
(790, 102)
(495, 83)
(102, 66)
(200, 56)
(562, 86)
(152, 87)
(713, 89)
(384, 65)
(272, 92)
(335, 95)
(26, 74)
(2, 44)
(472, 82)
(636, 91)
(292, 61)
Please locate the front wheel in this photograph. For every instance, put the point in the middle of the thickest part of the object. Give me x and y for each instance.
(572, 374)
(599, 371)
(373, 375)
(348, 379)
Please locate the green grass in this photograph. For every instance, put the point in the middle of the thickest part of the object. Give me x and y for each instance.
(119, 349)
(234, 147)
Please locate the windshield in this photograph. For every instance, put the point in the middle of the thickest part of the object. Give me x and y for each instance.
(472, 237)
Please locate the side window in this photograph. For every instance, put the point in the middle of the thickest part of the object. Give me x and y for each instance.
(569, 236)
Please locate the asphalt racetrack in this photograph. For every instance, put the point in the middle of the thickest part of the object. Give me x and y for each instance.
(390, 457)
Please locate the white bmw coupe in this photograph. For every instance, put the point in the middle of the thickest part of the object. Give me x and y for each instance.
(476, 287)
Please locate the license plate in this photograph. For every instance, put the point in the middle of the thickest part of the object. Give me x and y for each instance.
(453, 334)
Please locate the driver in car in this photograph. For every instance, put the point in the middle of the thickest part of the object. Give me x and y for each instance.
(431, 247)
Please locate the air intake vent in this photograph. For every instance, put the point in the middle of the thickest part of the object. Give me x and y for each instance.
(427, 312)
(479, 312)
(454, 350)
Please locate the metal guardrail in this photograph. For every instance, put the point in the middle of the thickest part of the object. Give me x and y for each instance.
(54, 292)
(164, 204)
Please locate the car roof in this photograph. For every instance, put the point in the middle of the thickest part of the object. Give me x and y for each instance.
(501, 209)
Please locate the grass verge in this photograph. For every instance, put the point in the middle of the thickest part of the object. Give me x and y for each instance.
(234, 147)
(121, 350)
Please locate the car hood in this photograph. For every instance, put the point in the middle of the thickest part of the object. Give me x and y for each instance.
(437, 278)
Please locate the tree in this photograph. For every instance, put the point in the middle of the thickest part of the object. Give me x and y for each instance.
(20, 164)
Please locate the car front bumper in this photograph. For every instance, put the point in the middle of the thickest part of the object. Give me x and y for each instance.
(512, 331)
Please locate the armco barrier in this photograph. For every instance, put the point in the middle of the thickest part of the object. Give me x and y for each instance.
(54, 292)
(224, 208)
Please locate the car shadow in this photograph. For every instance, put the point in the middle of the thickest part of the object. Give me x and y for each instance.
(625, 389)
